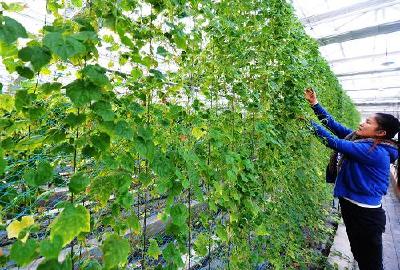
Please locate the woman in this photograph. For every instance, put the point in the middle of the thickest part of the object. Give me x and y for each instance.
(361, 168)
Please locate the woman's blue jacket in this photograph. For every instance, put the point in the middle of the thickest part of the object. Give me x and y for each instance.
(365, 170)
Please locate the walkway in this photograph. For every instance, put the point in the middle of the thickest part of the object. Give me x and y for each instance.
(391, 237)
(340, 254)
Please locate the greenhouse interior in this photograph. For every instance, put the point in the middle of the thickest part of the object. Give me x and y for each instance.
(199, 134)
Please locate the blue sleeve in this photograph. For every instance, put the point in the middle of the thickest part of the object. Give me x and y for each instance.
(357, 151)
(328, 121)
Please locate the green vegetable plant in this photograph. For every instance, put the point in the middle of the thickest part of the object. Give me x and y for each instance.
(193, 122)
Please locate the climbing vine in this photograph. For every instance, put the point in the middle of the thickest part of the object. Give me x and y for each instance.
(183, 148)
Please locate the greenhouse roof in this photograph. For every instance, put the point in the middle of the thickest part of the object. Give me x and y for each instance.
(360, 39)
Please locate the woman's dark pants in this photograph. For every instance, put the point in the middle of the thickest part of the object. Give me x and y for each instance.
(364, 227)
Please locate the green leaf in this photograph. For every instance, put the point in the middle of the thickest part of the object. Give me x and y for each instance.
(30, 177)
(128, 5)
(74, 120)
(157, 4)
(122, 182)
(55, 135)
(201, 244)
(180, 40)
(89, 151)
(148, 61)
(145, 148)
(77, 3)
(25, 72)
(115, 251)
(63, 46)
(48, 88)
(95, 74)
(261, 230)
(125, 200)
(53, 264)
(162, 166)
(145, 179)
(154, 250)
(39, 176)
(30, 143)
(162, 51)
(5, 123)
(126, 161)
(13, 7)
(35, 112)
(63, 148)
(101, 188)
(134, 224)
(6, 102)
(172, 255)
(145, 133)
(179, 214)
(8, 51)
(198, 132)
(38, 56)
(136, 108)
(82, 92)
(101, 141)
(126, 41)
(44, 172)
(123, 130)
(3, 162)
(15, 228)
(222, 233)
(103, 109)
(136, 73)
(78, 183)
(11, 64)
(11, 30)
(86, 36)
(92, 265)
(22, 99)
(70, 223)
(51, 249)
(157, 74)
(23, 253)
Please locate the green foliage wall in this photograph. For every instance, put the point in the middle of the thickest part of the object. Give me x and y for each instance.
(219, 128)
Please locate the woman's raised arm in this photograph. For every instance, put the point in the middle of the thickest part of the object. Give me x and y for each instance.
(326, 119)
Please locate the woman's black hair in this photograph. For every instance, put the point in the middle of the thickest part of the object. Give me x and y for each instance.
(388, 123)
(391, 125)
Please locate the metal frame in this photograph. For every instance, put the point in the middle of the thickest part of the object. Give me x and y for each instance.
(375, 30)
(368, 71)
(348, 11)
(379, 55)
(373, 89)
(378, 104)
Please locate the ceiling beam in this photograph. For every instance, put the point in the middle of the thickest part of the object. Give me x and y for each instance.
(367, 72)
(382, 110)
(377, 101)
(377, 104)
(378, 76)
(373, 89)
(370, 31)
(348, 11)
(395, 113)
(369, 56)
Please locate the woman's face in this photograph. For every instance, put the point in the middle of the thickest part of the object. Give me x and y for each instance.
(370, 128)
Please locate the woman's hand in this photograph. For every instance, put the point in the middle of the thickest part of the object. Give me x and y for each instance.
(310, 96)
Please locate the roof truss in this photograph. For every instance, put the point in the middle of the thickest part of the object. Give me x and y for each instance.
(376, 30)
(348, 11)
